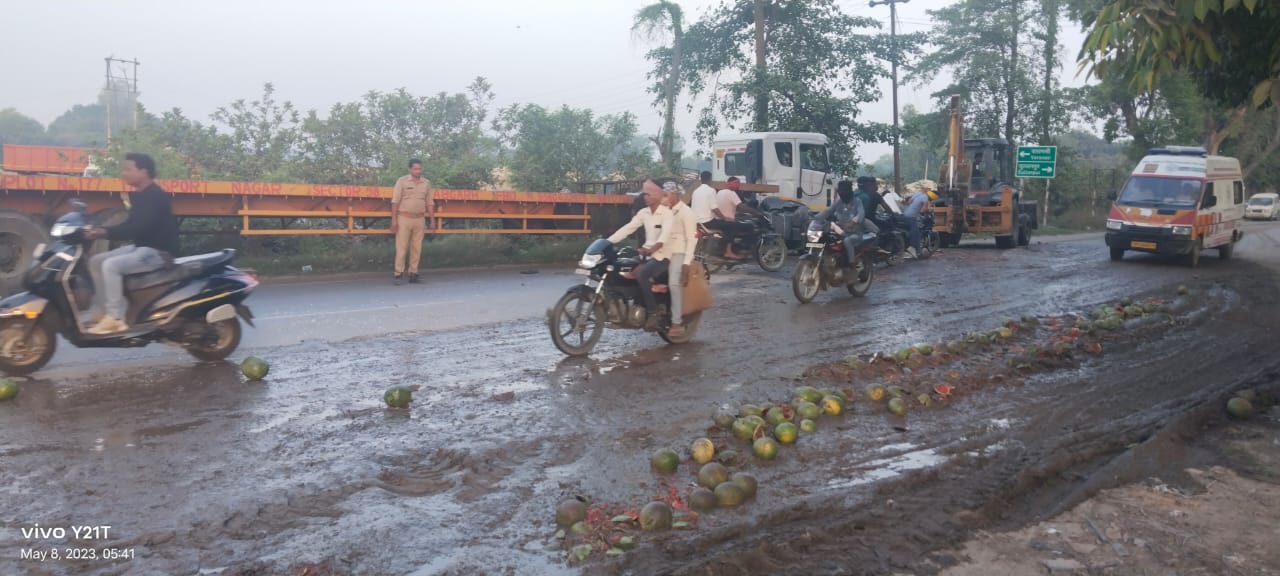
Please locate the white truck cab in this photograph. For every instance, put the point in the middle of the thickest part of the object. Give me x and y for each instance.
(796, 162)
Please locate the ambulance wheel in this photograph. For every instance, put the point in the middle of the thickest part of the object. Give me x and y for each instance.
(1117, 254)
(1226, 250)
(1193, 258)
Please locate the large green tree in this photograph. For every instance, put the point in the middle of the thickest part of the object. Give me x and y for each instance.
(661, 20)
(18, 128)
(551, 150)
(821, 65)
(984, 46)
(1228, 48)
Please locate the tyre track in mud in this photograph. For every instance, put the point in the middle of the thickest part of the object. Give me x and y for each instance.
(1070, 434)
(205, 471)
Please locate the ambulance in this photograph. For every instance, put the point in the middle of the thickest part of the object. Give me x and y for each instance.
(1179, 200)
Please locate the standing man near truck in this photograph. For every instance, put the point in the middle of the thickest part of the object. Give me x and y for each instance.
(412, 203)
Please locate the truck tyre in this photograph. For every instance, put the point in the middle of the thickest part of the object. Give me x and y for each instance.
(19, 235)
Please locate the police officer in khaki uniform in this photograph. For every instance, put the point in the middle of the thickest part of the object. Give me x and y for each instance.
(411, 203)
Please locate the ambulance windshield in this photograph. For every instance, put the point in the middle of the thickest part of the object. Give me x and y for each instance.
(1157, 192)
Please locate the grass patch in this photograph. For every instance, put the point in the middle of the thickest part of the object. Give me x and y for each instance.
(340, 254)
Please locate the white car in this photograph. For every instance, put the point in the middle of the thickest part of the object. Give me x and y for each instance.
(1263, 207)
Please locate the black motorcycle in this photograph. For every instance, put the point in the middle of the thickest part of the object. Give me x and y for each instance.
(769, 248)
(193, 303)
(821, 267)
(892, 240)
(610, 295)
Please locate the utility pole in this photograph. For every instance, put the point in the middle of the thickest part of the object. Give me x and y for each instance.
(893, 63)
(130, 86)
(762, 53)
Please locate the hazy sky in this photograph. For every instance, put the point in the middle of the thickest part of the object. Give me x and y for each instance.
(198, 55)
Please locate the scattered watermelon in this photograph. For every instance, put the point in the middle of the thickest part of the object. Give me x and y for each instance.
(664, 461)
(729, 495)
(702, 500)
(8, 389)
(570, 511)
(897, 406)
(746, 482)
(703, 450)
(786, 433)
(398, 397)
(1239, 408)
(712, 474)
(808, 426)
(809, 394)
(655, 516)
(254, 368)
(808, 410)
(765, 448)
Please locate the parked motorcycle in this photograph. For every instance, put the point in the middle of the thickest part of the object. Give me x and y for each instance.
(610, 295)
(821, 268)
(769, 249)
(193, 303)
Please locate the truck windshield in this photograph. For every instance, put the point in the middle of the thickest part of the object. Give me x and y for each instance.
(1153, 192)
(1264, 201)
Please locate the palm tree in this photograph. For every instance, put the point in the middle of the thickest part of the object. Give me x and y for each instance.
(653, 22)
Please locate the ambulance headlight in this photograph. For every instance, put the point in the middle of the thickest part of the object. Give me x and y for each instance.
(1181, 230)
(1114, 225)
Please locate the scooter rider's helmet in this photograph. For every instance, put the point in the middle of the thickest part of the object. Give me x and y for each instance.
(844, 189)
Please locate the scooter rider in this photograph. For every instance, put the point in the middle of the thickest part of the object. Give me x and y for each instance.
(848, 213)
(154, 233)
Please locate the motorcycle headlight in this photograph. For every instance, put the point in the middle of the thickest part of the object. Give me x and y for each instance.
(589, 261)
(814, 236)
(1114, 225)
(59, 230)
(1181, 230)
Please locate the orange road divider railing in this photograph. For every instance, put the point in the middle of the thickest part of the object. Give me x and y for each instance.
(497, 212)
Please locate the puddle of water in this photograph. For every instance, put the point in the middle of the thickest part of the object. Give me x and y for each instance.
(886, 468)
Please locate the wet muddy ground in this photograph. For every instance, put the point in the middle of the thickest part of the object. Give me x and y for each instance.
(199, 472)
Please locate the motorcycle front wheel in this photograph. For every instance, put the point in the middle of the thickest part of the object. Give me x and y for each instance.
(576, 323)
(932, 243)
(804, 281)
(22, 353)
(863, 273)
(771, 254)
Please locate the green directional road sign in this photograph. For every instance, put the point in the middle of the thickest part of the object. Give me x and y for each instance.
(1037, 162)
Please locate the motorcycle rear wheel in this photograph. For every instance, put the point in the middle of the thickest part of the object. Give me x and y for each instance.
(805, 281)
(771, 254)
(864, 273)
(227, 333)
(563, 316)
(691, 323)
(20, 356)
